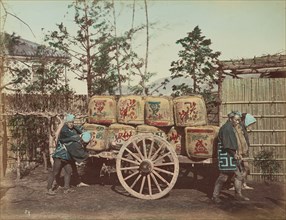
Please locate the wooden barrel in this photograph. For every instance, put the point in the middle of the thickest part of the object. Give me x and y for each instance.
(131, 110)
(190, 111)
(174, 137)
(102, 110)
(98, 132)
(159, 111)
(201, 141)
(119, 133)
(143, 129)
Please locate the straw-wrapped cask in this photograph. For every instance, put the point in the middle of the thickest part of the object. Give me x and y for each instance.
(131, 110)
(97, 142)
(190, 111)
(174, 137)
(102, 110)
(201, 141)
(143, 129)
(159, 111)
(119, 133)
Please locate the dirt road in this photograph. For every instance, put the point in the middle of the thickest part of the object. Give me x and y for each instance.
(27, 199)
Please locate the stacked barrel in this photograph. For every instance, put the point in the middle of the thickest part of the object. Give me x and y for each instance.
(182, 121)
(199, 137)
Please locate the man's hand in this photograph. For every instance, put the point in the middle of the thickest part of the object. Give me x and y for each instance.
(237, 156)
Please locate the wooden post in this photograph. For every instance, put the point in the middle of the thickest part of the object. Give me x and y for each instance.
(220, 79)
(3, 131)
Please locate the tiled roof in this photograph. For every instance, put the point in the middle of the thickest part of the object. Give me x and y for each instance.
(269, 66)
(16, 46)
(268, 61)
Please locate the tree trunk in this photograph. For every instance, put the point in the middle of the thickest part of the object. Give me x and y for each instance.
(147, 46)
(45, 160)
(89, 77)
(131, 39)
(195, 83)
(117, 51)
(53, 137)
(18, 167)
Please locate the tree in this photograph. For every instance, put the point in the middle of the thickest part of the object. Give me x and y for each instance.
(83, 45)
(98, 55)
(41, 72)
(137, 63)
(197, 61)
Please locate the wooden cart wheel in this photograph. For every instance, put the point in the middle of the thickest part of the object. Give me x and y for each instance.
(147, 166)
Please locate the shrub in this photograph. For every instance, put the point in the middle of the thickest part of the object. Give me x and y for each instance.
(268, 165)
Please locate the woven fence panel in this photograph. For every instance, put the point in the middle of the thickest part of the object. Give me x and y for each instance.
(39, 106)
(76, 104)
(265, 99)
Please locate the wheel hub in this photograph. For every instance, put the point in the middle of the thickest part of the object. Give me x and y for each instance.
(146, 166)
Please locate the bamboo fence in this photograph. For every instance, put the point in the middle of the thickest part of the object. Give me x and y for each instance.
(265, 99)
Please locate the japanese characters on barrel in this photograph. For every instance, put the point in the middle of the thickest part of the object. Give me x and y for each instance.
(182, 121)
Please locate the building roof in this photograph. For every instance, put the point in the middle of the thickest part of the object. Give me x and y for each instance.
(273, 66)
(17, 46)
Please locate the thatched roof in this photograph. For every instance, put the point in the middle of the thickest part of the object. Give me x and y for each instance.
(273, 66)
(18, 47)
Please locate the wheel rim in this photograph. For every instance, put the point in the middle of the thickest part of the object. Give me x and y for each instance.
(147, 166)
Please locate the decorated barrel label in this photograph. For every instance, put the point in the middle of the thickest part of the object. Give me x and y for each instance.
(190, 111)
(119, 133)
(159, 111)
(97, 141)
(174, 137)
(201, 141)
(102, 110)
(131, 110)
(151, 129)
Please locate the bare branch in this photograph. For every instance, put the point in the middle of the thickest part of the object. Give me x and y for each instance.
(15, 16)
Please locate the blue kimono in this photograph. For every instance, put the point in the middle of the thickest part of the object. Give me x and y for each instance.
(66, 136)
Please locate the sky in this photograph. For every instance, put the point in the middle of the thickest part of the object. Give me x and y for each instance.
(238, 29)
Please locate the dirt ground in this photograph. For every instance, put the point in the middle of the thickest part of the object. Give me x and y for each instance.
(27, 199)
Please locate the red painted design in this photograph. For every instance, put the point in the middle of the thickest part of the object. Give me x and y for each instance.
(125, 135)
(190, 114)
(174, 137)
(93, 120)
(191, 130)
(201, 147)
(157, 123)
(127, 109)
(99, 106)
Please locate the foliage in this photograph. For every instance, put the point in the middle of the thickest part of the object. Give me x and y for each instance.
(197, 61)
(29, 136)
(99, 55)
(39, 75)
(266, 162)
(91, 45)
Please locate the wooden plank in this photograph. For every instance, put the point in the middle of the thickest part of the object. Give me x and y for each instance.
(265, 99)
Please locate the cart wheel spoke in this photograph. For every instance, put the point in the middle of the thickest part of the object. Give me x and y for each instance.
(142, 184)
(151, 148)
(130, 168)
(155, 154)
(131, 161)
(160, 177)
(149, 185)
(133, 155)
(156, 182)
(163, 171)
(131, 175)
(138, 150)
(163, 164)
(144, 149)
(147, 166)
(160, 158)
(137, 179)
